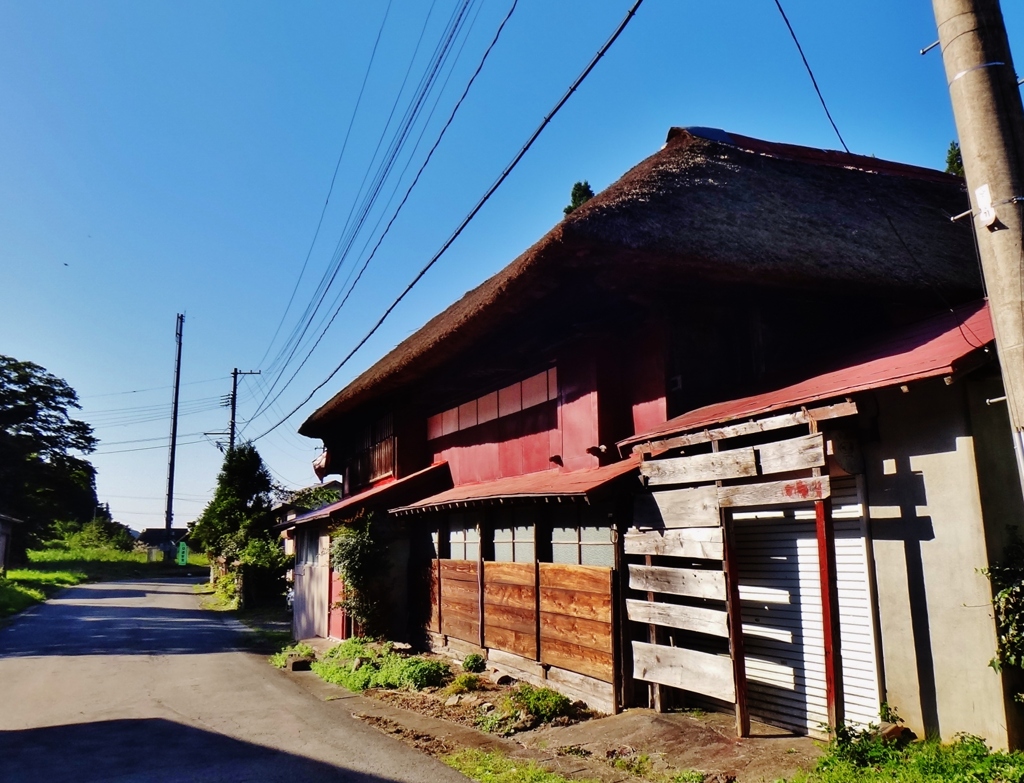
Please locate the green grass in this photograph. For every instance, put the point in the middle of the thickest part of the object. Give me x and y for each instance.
(56, 567)
(279, 659)
(357, 665)
(489, 767)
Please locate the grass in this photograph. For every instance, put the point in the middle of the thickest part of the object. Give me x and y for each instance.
(463, 683)
(524, 707)
(489, 767)
(280, 659)
(56, 567)
(356, 664)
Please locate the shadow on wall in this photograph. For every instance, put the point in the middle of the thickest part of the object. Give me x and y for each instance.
(152, 750)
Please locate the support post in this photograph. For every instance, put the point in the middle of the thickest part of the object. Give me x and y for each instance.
(169, 508)
(990, 123)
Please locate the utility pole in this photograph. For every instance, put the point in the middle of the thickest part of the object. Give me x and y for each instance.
(234, 403)
(990, 122)
(169, 513)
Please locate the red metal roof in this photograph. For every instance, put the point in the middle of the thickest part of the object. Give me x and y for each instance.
(418, 484)
(546, 484)
(928, 349)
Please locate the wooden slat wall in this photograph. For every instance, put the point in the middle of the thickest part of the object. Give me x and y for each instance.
(460, 600)
(434, 624)
(576, 619)
(510, 608)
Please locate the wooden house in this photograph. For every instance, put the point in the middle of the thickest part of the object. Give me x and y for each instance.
(720, 268)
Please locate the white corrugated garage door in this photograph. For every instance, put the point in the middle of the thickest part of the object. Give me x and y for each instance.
(781, 604)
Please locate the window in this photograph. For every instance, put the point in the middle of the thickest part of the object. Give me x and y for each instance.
(583, 545)
(308, 547)
(463, 537)
(514, 538)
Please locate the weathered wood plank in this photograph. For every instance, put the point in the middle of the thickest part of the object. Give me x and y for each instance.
(510, 595)
(590, 579)
(697, 542)
(576, 630)
(714, 622)
(598, 695)
(458, 591)
(461, 649)
(589, 606)
(459, 628)
(670, 508)
(461, 612)
(823, 413)
(512, 618)
(576, 658)
(512, 641)
(509, 573)
(737, 463)
(693, 582)
(690, 670)
(463, 570)
(772, 493)
(517, 666)
(807, 451)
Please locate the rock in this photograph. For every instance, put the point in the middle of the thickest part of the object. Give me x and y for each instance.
(471, 701)
(358, 663)
(453, 701)
(298, 663)
(487, 707)
(893, 732)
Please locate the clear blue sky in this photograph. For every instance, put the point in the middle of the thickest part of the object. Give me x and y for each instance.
(162, 157)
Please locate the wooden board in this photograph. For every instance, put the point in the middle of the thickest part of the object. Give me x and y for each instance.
(687, 618)
(594, 634)
(737, 463)
(783, 456)
(670, 508)
(463, 570)
(693, 582)
(783, 421)
(460, 628)
(510, 660)
(510, 617)
(517, 642)
(689, 670)
(597, 694)
(700, 542)
(458, 590)
(773, 493)
(577, 658)
(510, 595)
(589, 606)
(509, 573)
(591, 579)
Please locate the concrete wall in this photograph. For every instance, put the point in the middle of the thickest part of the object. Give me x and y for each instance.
(930, 543)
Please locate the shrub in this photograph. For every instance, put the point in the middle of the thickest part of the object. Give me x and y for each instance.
(542, 703)
(463, 683)
(280, 659)
(474, 662)
(356, 665)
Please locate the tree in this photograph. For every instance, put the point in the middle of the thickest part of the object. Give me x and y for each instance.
(240, 509)
(311, 498)
(41, 479)
(954, 160)
(581, 194)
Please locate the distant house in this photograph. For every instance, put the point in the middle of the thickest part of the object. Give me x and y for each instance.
(157, 536)
(720, 437)
(6, 533)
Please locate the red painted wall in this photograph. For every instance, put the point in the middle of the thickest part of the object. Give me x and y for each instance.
(335, 616)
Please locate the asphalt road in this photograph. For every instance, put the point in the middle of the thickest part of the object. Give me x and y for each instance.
(123, 681)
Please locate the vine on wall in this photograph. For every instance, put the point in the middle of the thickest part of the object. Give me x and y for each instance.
(359, 553)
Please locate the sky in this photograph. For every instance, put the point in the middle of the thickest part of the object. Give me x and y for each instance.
(222, 159)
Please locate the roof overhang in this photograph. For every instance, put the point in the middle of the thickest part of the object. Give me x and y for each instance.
(949, 344)
(401, 491)
(549, 486)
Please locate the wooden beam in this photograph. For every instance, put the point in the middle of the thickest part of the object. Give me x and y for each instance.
(654, 635)
(692, 582)
(689, 670)
(774, 493)
(698, 542)
(713, 622)
(782, 456)
(737, 463)
(696, 507)
(752, 427)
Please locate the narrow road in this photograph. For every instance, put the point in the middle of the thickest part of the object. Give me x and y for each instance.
(124, 681)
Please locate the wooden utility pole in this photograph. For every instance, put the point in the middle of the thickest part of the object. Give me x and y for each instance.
(990, 122)
(234, 403)
(169, 513)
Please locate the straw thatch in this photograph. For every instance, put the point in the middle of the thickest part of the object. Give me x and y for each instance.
(716, 208)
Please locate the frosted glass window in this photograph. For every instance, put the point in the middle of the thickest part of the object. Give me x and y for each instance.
(463, 538)
(585, 545)
(435, 541)
(472, 543)
(514, 544)
(503, 544)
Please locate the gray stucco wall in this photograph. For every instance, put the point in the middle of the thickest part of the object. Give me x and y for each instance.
(930, 543)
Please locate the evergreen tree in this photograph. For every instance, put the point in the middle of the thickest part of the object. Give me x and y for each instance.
(954, 160)
(581, 194)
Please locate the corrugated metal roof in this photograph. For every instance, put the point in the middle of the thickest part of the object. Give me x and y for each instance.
(931, 348)
(381, 495)
(578, 484)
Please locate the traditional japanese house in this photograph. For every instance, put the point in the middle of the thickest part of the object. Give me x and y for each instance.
(720, 267)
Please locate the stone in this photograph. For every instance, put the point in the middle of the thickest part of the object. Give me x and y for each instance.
(453, 701)
(298, 663)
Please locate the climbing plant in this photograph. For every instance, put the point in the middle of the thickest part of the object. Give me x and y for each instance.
(359, 553)
(1008, 602)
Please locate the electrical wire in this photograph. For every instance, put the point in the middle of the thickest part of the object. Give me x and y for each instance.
(465, 222)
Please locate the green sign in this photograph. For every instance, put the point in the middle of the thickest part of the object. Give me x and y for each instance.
(182, 553)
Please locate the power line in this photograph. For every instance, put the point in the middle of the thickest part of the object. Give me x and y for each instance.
(151, 388)
(810, 73)
(465, 222)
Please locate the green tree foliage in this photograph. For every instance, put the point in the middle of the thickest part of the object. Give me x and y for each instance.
(954, 160)
(360, 554)
(313, 497)
(240, 509)
(100, 532)
(581, 194)
(41, 479)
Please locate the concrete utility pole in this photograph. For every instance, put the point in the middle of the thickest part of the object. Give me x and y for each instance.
(169, 512)
(990, 122)
(234, 403)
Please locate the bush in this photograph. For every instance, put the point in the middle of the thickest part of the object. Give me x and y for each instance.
(474, 662)
(356, 665)
(280, 659)
(542, 703)
(463, 683)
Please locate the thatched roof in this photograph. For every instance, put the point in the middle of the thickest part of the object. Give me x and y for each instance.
(715, 207)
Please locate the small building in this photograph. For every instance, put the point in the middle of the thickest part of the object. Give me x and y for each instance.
(514, 440)
(158, 536)
(7, 524)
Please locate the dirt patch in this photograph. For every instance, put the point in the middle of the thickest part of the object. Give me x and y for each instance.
(422, 741)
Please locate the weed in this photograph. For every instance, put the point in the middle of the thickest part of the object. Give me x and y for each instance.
(280, 659)
(542, 703)
(638, 766)
(357, 665)
(463, 683)
(574, 750)
(474, 662)
(497, 722)
(489, 767)
(688, 776)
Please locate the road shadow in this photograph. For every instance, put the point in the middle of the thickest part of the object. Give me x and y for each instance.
(153, 750)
